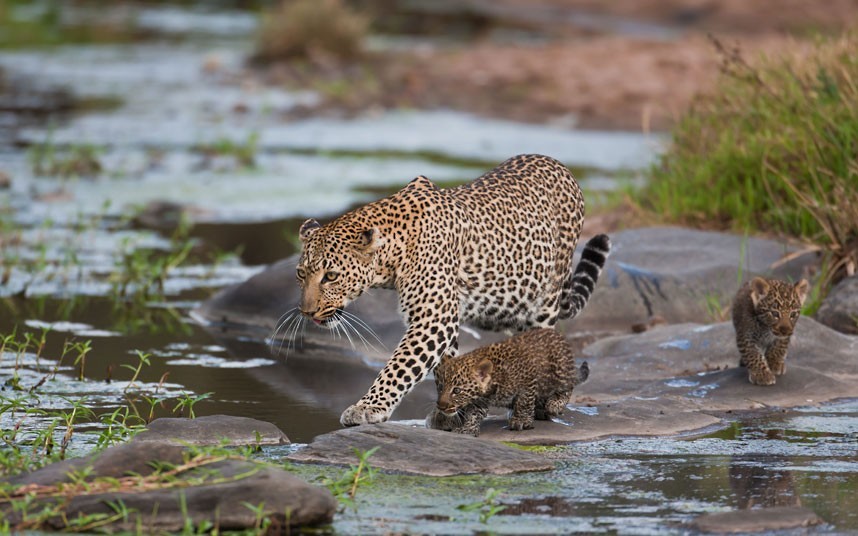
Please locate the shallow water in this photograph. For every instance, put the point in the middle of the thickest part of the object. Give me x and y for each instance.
(73, 234)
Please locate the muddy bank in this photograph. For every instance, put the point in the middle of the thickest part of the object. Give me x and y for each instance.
(587, 64)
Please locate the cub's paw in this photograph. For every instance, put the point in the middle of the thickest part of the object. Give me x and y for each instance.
(778, 370)
(363, 414)
(763, 378)
(468, 430)
(438, 421)
(520, 424)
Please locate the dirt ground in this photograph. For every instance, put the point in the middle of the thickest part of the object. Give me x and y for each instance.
(623, 64)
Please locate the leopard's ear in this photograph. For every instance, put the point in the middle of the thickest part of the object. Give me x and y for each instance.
(801, 289)
(483, 371)
(308, 228)
(759, 289)
(370, 240)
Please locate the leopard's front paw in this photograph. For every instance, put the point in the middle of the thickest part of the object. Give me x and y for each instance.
(361, 413)
(779, 369)
(762, 378)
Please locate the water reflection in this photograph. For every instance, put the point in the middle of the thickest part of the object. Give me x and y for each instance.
(760, 483)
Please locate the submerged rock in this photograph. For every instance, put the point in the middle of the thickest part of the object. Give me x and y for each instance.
(759, 520)
(212, 430)
(839, 310)
(417, 450)
(214, 491)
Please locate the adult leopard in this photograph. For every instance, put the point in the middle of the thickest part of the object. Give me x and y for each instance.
(496, 253)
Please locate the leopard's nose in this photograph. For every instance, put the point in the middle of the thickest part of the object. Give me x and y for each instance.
(310, 313)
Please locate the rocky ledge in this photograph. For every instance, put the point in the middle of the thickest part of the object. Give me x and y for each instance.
(416, 450)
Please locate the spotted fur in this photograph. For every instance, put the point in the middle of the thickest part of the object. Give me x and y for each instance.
(765, 312)
(496, 253)
(532, 374)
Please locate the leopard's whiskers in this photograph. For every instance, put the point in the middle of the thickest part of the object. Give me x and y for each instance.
(280, 323)
(343, 317)
(365, 326)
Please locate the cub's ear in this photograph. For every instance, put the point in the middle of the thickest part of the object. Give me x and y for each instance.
(483, 371)
(308, 228)
(759, 289)
(801, 289)
(370, 240)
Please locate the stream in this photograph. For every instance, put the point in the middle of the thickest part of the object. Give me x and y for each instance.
(181, 131)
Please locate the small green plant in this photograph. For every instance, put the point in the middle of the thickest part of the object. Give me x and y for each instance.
(76, 161)
(487, 507)
(143, 359)
(187, 402)
(345, 488)
(244, 153)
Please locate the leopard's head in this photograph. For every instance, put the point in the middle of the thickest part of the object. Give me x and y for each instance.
(460, 382)
(337, 264)
(777, 304)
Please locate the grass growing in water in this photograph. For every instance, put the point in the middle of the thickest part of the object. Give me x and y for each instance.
(775, 149)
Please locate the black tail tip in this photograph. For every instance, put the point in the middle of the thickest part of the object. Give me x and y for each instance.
(601, 242)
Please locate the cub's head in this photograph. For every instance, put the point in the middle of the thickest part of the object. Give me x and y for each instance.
(460, 382)
(337, 264)
(777, 304)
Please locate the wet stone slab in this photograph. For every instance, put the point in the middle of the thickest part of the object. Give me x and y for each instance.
(758, 520)
(685, 378)
(419, 451)
(212, 430)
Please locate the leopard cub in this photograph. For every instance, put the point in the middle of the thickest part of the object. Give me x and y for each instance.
(532, 373)
(765, 312)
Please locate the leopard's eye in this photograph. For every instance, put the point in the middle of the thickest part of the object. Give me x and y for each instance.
(301, 273)
(775, 314)
(793, 315)
(330, 277)
(456, 390)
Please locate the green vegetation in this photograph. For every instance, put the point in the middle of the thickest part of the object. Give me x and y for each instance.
(24, 23)
(487, 507)
(311, 29)
(244, 153)
(345, 487)
(772, 149)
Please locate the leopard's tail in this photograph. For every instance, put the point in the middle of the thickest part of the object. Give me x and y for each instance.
(583, 373)
(579, 286)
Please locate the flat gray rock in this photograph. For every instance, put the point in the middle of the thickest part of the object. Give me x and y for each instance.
(417, 450)
(685, 377)
(212, 430)
(839, 310)
(758, 520)
(215, 492)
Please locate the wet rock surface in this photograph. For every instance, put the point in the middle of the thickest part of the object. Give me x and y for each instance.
(759, 520)
(684, 377)
(215, 492)
(839, 310)
(416, 450)
(212, 430)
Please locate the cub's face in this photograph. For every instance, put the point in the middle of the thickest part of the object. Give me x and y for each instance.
(460, 383)
(777, 304)
(335, 267)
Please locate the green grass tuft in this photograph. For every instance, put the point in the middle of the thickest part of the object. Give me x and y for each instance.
(774, 148)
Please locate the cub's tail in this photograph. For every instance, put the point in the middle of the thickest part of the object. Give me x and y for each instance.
(579, 286)
(583, 373)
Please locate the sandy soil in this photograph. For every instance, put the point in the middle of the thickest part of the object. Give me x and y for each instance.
(624, 64)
